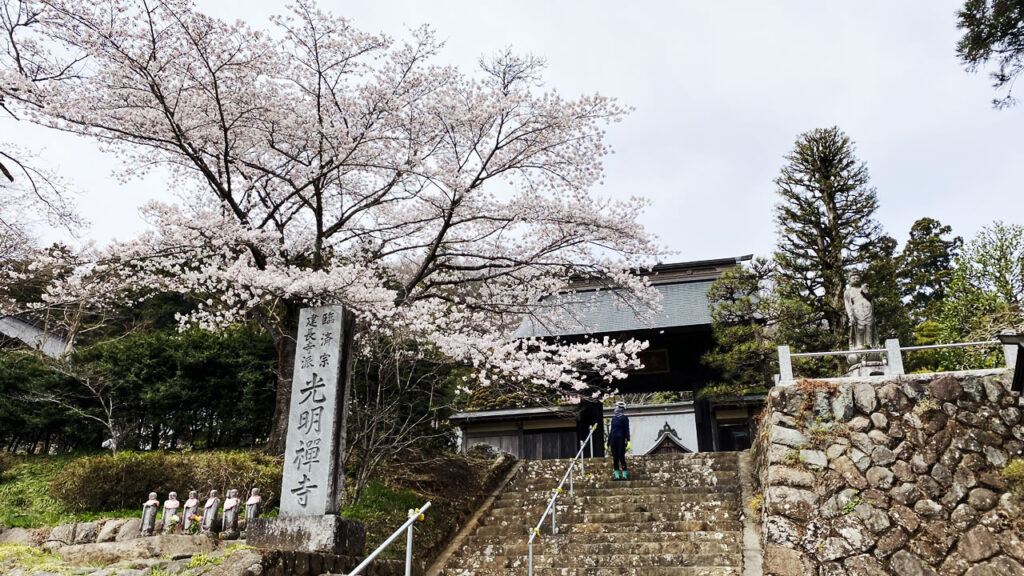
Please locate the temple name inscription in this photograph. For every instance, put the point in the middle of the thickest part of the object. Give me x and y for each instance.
(312, 451)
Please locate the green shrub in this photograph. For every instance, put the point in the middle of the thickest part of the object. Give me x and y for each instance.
(123, 481)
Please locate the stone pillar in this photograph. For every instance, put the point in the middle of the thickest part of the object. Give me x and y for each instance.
(313, 482)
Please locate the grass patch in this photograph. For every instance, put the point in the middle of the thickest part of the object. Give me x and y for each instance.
(1014, 474)
(25, 499)
(31, 559)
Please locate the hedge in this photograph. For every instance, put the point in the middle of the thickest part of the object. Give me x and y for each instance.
(108, 482)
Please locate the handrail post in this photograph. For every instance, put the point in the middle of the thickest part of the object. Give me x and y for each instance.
(583, 469)
(785, 365)
(408, 549)
(554, 511)
(531, 555)
(592, 429)
(894, 356)
(414, 515)
(571, 466)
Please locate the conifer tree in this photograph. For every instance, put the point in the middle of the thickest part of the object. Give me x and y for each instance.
(825, 222)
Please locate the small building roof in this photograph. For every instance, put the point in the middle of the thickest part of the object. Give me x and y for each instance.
(667, 434)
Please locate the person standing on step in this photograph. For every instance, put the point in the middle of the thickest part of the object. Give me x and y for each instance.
(618, 440)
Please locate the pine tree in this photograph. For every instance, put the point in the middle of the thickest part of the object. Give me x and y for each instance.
(825, 222)
(743, 315)
(926, 266)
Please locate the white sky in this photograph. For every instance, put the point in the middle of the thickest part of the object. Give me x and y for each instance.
(721, 90)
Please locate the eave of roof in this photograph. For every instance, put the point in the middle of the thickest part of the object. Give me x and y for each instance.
(520, 413)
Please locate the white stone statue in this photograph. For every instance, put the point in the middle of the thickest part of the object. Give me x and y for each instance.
(149, 508)
(171, 518)
(860, 312)
(191, 509)
(211, 514)
(253, 505)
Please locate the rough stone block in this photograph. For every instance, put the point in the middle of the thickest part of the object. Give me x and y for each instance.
(787, 437)
(842, 404)
(978, 544)
(904, 563)
(864, 398)
(64, 534)
(880, 477)
(783, 561)
(814, 459)
(864, 565)
(129, 530)
(328, 534)
(86, 532)
(849, 472)
(790, 477)
(945, 389)
(110, 530)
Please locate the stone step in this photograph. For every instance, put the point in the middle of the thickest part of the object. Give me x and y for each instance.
(579, 538)
(520, 531)
(486, 570)
(556, 561)
(624, 486)
(559, 545)
(604, 518)
(635, 465)
(602, 501)
(578, 505)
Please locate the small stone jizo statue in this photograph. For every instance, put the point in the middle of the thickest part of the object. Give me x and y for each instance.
(149, 509)
(211, 514)
(230, 521)
(190, 509)
(171, 519)
(860, 313)
(253, 505)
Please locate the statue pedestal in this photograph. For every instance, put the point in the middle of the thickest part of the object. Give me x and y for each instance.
(329, 534)
(869, 368)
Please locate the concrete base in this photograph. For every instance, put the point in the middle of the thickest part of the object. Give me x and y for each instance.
(329, 534)
(862, 369)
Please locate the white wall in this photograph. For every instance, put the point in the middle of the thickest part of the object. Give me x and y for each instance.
(646, 421)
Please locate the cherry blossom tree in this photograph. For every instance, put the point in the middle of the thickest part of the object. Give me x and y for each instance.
(317, 163)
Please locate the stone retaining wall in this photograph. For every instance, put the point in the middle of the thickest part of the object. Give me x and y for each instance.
(891, 475)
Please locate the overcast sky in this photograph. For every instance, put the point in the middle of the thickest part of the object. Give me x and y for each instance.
(721, 90)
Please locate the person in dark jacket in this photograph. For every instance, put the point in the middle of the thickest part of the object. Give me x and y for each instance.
(618, 440)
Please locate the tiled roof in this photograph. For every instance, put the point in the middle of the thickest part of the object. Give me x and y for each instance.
(604, 311)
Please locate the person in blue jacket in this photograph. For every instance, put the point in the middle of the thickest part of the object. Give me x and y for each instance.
(618, 440)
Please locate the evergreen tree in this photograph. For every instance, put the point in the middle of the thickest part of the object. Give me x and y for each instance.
(882, 275)
(825, 222)
(926, 265)
(993, 34)
(743, 316)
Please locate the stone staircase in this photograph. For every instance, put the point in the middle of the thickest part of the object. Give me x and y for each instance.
(677, 515)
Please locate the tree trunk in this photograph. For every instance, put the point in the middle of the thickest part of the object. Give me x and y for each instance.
(284, 333)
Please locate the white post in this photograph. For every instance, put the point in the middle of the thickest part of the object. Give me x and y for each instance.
(531, 555)
(785, 365)
(554, 508)
(408, 552)
(894, 356)
(571, 466)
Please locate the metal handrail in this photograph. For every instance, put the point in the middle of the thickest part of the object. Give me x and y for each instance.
(414, 515)
(551, 503)
(893, 353)
(881, 350)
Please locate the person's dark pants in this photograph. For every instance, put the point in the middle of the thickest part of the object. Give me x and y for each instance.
(618, 446)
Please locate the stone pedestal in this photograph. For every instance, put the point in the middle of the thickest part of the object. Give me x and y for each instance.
(328, 534)
(863, 369)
